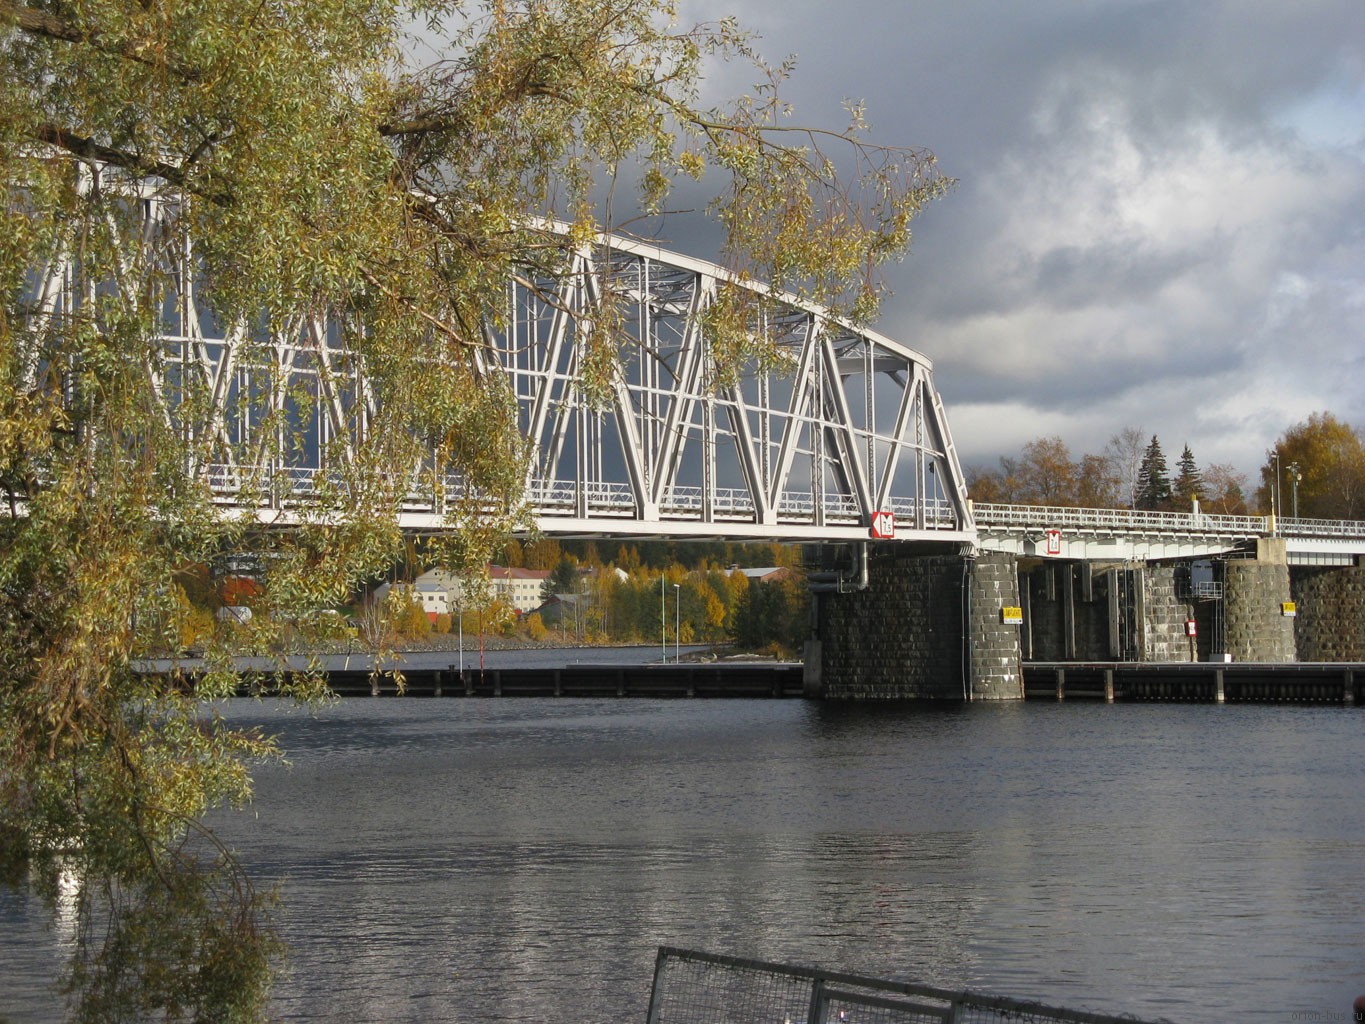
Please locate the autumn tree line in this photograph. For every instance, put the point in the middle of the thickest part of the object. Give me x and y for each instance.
(1316, 469)
(707, 603)
(643, 592)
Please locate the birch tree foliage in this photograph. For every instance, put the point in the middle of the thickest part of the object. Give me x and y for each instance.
(1321, 462)
(317, 176)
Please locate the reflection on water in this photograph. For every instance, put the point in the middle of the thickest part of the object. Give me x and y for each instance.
(521, 860)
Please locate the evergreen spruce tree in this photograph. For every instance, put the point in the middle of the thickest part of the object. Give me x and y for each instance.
(1189, 482)
(1154, 482)
(563, 579)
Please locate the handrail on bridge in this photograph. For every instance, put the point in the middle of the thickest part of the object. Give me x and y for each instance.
(1124, 520)
(608, 497)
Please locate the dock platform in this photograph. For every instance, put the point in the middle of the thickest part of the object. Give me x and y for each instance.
(760, 679)
(1200, 682)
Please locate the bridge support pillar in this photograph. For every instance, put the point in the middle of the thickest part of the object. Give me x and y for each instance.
(926, 627)
(995, 651)
(812, 677)
(1330, 606)
(1260, 621)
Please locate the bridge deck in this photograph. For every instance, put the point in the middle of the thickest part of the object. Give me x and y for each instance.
(1089, 534)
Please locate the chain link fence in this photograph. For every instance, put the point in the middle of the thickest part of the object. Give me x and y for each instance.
(705, 988)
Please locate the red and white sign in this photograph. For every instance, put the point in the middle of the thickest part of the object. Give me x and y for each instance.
(883, 525)
(1191, 627)
(1054, 541)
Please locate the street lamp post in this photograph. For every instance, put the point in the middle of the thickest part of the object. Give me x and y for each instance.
(1274, 454)
(677, 623)
(1294, 477)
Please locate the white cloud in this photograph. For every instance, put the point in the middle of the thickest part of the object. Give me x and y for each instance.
(1160, 219)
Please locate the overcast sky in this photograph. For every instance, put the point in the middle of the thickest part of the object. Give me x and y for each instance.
(1160, 212)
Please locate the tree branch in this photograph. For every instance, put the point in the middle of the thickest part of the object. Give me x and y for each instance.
(40, 23)
(88, 149)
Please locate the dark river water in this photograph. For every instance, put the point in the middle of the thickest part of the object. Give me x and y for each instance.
(521, 860)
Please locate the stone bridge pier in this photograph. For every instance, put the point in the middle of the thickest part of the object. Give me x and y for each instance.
(934, 626)
(1330, 605)
(925, 627)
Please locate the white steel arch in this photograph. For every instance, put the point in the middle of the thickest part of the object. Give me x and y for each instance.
(841, 437)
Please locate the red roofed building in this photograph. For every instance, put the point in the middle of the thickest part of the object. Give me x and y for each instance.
(519, 587)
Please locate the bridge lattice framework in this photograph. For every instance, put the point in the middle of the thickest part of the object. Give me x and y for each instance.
(840, 427)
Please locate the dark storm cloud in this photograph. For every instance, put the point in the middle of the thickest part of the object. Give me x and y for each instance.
(1160, 211)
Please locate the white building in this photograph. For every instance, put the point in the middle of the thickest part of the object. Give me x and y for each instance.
(520, 588)
(763, 574)
(434, 598)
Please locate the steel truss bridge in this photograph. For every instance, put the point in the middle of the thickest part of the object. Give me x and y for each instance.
(841, 436)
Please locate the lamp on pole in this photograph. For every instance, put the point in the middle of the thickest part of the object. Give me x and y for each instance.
(1294, 477)
(1279, 485)
(1274, 456)
(663, 618)
(677, 623)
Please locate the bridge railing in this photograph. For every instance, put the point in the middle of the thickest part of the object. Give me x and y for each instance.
(938, 513)
(1118, 520)
(801, 505)
(1137, 521)
(563, 496)
(1321, 527)
(298, 484)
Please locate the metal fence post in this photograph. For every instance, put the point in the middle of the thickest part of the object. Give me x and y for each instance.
(816, 1013)
(656, 990)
